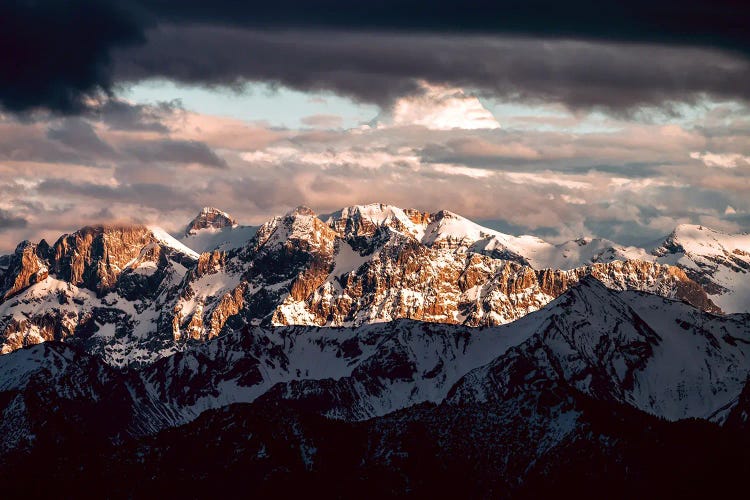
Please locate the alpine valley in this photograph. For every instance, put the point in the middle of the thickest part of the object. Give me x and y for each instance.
(375, 351)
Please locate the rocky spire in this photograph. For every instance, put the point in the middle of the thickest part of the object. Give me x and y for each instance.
(210, 217)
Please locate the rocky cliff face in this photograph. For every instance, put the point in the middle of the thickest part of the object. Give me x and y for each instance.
(210, 218)
(104, 286)
(351, 271)
(95, 256)
(405, 279)
(23, 268)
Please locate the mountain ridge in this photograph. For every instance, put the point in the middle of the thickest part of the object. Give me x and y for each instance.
(152, 295)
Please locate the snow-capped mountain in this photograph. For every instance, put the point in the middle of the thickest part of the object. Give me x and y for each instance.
(351, 373)
(372, 339)
(446, 229)
(534, 381)
(105, 286)
(213, 229)
(134, 294)
(661, 356)
(719, 262)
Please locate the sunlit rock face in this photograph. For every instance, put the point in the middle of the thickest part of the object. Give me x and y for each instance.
(210, 218)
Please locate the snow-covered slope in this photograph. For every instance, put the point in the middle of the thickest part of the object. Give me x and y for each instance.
(380, 368)
(51, 392)
(224, 239)
(445, 229)
(660, 356)
(581, 251)
(720, 262)
(170, 241)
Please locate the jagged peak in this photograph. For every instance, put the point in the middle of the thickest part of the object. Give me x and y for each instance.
(589, 296)
(21, 247)
(210, 218)
(699, 231)
(701, 240)
(376, 212)
(446, 214)
(361, 220)
(589, 282)
(301, 210)
(104, 228)
(691, 229)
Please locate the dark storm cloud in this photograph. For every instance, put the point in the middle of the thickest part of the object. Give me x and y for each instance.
(715, 22)
(380, 67)
(57, 53)
(175, 151)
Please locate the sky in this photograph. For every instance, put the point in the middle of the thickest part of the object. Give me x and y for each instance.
(559, 119)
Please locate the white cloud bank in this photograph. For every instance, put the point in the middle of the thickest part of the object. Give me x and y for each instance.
(439, 108)
(725, 160)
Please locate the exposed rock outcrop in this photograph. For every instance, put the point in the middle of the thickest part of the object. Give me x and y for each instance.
(212, 218)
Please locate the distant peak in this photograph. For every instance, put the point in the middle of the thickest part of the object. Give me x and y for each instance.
(301, 210)
(689, 232)
(210, 218)
(446, 214)
(686, 229)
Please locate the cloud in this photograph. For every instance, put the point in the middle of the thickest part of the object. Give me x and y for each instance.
(125, 116)
(323, 121)
(80, 135)
(439, 108)
(720, 22)
(725, 160)
(380, 68)
(621, 179)
(175, 151)
(9, 221)
(56, 53)
(60, 54)
(153, 195)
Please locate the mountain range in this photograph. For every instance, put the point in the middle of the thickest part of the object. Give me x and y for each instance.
(373, 351)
